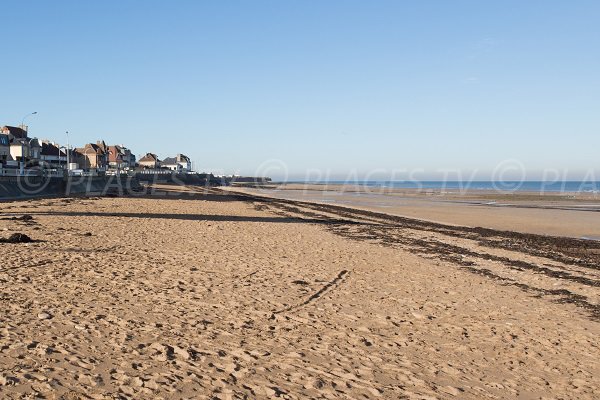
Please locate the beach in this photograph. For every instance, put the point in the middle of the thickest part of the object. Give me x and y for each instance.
(572, 214)
(214, 294)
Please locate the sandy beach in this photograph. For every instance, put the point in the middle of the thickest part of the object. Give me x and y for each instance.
(222, 296)
(573, 214)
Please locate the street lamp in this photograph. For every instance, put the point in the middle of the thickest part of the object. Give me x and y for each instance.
(24, 118)
(22, 169)
(68, 155)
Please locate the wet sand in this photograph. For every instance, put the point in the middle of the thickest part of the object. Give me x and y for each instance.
(225, 296)
(558, 214)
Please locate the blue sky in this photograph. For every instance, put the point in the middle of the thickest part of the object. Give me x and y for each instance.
(340, 87)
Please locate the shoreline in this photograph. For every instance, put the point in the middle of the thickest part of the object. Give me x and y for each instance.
(428, 191)
(551, 214)
(454, 186)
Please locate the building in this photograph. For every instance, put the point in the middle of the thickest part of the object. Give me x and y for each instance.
(185, 162)
(128, 157)
(92, 156)
(20, 147)
(4, 148)
(52, 156)
(115, 157)
(180, 163)
(150, 160)
(120, 157)
(170, 163)
(25, 150)
(14, 132)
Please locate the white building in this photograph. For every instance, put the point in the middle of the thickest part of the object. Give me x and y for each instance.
(179, 163)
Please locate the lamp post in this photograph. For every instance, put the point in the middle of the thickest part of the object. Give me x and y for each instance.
(22, 169)
(68, 155)
(24, 118)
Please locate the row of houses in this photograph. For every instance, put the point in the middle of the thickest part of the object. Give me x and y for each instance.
(101, 157)
(180, 163)
(16, 147)
(20, 154)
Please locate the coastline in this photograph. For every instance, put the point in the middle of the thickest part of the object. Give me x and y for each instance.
(554, 214)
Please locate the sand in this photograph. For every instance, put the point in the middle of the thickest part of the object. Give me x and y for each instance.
(558, 214)
(219, 297)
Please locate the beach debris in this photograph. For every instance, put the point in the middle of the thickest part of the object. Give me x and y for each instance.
(24, 218)
(366, 342)
(17, 238)
(274, 391)
(163, 352)
(8, 380)
(44, 315)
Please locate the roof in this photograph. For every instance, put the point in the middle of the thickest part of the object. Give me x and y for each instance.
(117, 149)
(150, 157)
(94, 147)
(50, 149)
(89, 149)
(180, 158)
(102, 146)
(122, 148)
(16, 132)
(17, 141)
(115, 154)
(169, 161)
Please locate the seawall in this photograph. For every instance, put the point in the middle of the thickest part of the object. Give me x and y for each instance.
(24, 187)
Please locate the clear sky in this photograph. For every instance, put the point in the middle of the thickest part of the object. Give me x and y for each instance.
(343, 87)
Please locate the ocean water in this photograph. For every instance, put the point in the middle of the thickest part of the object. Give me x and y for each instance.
(505, 186)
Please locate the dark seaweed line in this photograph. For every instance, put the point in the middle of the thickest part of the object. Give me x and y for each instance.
(562, 249)
(437, 246)
(449, 252)
(566, 250)
(567, 297)
(514, 264)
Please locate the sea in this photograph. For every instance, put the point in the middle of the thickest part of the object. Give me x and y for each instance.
(503, 186)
